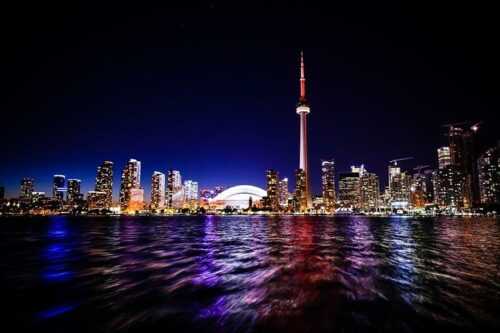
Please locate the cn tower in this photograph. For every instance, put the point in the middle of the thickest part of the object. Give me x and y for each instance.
(303, 110)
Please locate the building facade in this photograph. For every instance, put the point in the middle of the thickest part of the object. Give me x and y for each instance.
(58, 187)
(104, 182)
(74, 193)
(157, 191)
(328, 185)
(300, 197)
(273, 198)
(369, 192)
(489, 176)
(349, 191)
(130, 181)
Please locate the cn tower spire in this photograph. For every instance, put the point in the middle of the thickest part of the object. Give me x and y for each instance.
(303, 110)
(302, 79)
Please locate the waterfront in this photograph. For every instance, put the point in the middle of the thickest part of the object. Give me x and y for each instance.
(250, 273)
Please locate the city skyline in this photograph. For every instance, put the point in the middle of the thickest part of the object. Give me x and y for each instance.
(231, 100)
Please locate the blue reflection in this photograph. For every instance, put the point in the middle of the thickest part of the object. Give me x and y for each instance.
(57, 252)
(55, 311)
(57, 275)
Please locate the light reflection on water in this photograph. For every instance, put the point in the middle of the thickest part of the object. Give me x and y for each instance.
(289, 274)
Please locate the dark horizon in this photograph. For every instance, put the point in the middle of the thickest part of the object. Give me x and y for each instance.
(211, 89)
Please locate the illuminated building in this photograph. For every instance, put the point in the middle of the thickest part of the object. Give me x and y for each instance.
(418, 191)
(238, 197)
(303, 110)
(283, 192)
(97, 200)
(489, 176)
(444, 157)
(449, 188)
(136, 202)
(463, 153)
(157, 190)
(58, 187)
(130, 180)
(369, 192)
(74, 194)
(174, 188)
(191, 193)
(104, 181)
(272, 180)
(349, 191)
(300, 191)
(27, 188)
(399, 186)
(328, 185)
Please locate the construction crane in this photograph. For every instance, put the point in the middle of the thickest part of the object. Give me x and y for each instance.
(395, 161)
(474, 127)
(419, 168)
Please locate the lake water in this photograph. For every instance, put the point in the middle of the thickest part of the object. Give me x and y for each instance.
(250, 274)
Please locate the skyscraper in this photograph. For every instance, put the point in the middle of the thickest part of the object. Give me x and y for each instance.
(272, 180)
(300, 191)
(463, 153)
(489, 176)
(157, 190)
(104, 183)
(369, 192)
(174, 185)
(27, 189)
(130, 179)
(74, 193)
(58, 187)
(283, 192)
(444, 157)
(191, 193)
(349, 190)
(328, 184)
(303, 110)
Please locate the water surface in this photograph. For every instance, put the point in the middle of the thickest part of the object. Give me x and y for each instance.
(250, 274)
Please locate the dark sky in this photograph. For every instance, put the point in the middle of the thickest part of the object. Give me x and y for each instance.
(210, 88)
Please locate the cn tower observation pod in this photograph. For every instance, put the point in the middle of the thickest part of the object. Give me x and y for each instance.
(238, 196)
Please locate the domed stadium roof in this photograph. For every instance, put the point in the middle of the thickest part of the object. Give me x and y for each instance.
(238, 196)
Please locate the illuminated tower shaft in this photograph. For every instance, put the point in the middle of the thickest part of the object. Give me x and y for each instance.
(303, 110)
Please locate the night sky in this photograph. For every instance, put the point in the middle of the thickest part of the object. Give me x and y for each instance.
(210, 89)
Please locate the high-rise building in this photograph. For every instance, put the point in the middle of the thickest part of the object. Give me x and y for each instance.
(58, 187)
(349, 190)
(27, 189)
(97, 200)
(444, 157)
(272, 180)
(449, 188)
(303, 110)
(369, 188)
(2, 193)
(300, 191)
(136, 202)
(191, 195)
(418, 191)
(174, 186)
(283, 192)
(130, 179)
(104, 182)
(463, 153)
(158, 190)
(328, 185)
(74, 194)
(489, 176)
